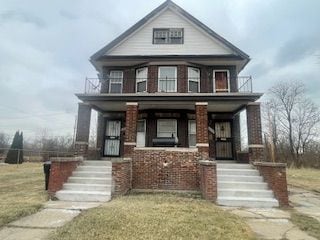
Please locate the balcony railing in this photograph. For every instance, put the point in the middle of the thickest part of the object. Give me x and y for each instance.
(242, 84)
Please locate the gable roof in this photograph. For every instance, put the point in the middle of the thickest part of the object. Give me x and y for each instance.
(143, 21)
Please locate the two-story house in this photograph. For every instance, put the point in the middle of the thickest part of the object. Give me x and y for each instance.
(169, 94)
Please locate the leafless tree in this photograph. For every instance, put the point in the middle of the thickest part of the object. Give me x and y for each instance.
(4, 141)
(294, 117)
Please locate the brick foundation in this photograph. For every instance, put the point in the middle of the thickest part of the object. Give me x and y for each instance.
(61, 170)
(165, 168)
(275, 175)
(121, 176)
(208, 180)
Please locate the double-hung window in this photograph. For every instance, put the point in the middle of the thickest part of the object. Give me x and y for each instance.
(167, 79)
(168, 36)
(115, 81)
(167, 128)
(193, 79)
(192, 133)
(141, 79)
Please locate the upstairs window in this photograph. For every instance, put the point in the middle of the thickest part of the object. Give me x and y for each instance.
(141, 79)
(193, 79)
(167, 79)
(168, 36)
(115, 82)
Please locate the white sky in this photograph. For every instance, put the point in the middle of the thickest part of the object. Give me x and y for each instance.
(45, 47)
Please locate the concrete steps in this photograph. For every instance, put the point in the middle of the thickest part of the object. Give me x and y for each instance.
(240, 185)
(90, 182)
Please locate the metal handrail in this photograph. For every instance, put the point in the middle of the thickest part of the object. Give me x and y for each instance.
(97, 85)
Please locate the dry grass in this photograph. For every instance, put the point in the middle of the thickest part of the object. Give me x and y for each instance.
(307, 178)
(306, 223)
(155, 216)
(21, 190)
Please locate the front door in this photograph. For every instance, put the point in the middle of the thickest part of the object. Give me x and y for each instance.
(221, 81)
(112, 138)
(223, 140)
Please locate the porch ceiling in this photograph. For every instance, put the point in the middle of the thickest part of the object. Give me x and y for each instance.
(218, 102)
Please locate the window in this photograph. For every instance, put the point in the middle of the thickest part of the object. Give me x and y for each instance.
(115, 83)
(192, 133)
(141, 79)
(168, 35)
(167, 128)
(221, 81)
(193, 79)
(167, 79)
(141, 133)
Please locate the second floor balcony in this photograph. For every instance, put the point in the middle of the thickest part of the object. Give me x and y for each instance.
(121, 84)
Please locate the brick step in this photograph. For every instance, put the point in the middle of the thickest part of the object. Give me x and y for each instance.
(239, 172)
(247, 202)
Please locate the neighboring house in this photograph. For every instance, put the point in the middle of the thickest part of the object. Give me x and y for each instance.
(169, 94)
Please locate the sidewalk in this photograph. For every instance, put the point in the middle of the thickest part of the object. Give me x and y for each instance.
(39, 225)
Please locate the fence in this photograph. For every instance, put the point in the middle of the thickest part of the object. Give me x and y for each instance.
(34, 155)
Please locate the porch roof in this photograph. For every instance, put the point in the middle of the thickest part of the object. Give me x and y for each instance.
(217, 102)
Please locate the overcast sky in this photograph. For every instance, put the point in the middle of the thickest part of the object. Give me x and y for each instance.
(45, 47)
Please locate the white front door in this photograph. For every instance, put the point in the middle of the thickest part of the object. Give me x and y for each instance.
(141, 133)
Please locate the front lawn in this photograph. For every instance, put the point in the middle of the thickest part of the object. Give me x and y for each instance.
(21, 190)
(307, 178)
(155, 216)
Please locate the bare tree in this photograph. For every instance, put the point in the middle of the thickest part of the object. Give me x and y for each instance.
(295, 117)
(4, 141)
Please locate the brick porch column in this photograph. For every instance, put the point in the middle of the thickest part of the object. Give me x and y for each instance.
(131, 128)
(202, 129)
(255, 145)
(83, 130)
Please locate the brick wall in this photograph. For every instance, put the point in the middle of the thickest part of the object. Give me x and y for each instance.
(61, 170)
(182, 78)
(255, 144)
(131, 128)
(275, 175)
(167, 169)
(153, 79)
(83, 123)
(208, 180)
(202, 138)
(121, 176)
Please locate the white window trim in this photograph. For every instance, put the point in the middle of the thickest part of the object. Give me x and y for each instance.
(142, 80)
(189, 121)
(168, 119)
(117, 83)
(194, 80)
(175, 77)
(214, 80)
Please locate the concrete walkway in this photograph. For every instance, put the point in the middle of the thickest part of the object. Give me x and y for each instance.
(305, 202)
(275, 223)
(39, 225)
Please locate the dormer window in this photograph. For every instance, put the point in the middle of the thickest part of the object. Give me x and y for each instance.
(168, 36)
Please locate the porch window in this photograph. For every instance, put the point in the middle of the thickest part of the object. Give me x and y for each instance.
(221, 81)
(193, 79)
(168, 36)
(141, 133)
(167, 79)
(167, 128)
(192, 133)
(141, 79)
(115, 81)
